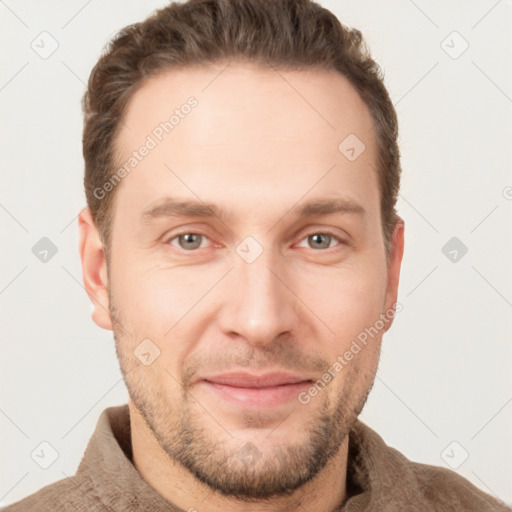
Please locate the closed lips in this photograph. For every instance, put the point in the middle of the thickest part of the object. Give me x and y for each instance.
(247, 380)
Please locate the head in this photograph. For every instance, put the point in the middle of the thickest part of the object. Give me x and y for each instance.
(241, 174)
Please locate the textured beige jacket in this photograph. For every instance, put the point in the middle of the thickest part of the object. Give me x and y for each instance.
(383, 479)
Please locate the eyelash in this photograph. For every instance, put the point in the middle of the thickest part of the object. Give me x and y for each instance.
(327, 233)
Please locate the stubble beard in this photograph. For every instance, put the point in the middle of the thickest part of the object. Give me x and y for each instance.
(233, 468)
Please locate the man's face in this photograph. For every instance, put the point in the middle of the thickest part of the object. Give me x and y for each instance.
(250, 307)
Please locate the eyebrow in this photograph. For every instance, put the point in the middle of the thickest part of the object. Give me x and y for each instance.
(170, 207)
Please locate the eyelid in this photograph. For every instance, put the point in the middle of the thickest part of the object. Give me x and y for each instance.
(188, 229)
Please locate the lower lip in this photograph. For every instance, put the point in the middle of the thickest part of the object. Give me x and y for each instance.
(259, 397)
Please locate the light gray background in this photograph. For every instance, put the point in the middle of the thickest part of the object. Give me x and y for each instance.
(445, 370)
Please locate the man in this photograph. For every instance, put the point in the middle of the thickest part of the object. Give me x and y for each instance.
(241, 241)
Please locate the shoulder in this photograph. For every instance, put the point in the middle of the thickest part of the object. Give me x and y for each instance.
(69, 494)
(445, 490)
(390, 481)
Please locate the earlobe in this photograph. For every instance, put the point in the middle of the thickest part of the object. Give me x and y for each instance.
(94, 269)
(395, 263)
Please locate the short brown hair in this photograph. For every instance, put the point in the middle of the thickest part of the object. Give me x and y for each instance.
(285, 34)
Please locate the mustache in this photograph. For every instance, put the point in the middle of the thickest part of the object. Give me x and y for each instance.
(282, 356)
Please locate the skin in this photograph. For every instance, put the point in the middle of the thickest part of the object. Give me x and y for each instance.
(259, 144)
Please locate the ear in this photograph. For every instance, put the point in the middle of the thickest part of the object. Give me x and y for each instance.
(396, 251)
(94, 269)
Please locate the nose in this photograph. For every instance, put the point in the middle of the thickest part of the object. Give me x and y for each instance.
(258, 304)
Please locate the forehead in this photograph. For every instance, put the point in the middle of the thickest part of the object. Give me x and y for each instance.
(249, 95)
(260, 132)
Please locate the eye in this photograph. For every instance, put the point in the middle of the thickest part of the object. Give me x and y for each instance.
(321, 240)
(188, 241)
(191, 241)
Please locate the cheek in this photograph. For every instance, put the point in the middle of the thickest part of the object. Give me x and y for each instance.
(155, 296)
(164, 305)
(347, 300)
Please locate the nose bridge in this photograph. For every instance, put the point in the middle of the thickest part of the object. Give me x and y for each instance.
(259, 306)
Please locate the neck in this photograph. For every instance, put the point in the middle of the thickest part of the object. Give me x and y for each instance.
(325, 492)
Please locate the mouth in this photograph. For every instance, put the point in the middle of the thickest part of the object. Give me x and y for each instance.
(257, 391)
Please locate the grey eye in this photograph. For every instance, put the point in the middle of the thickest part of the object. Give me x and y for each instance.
(320, 240)
(189, 241)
